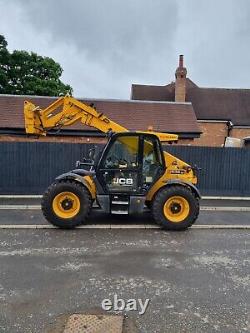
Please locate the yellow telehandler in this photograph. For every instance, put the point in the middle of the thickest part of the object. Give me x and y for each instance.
(130, 172)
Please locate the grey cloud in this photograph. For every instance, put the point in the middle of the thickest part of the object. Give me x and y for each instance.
(105, 45)
(216, 40)
(125, 36)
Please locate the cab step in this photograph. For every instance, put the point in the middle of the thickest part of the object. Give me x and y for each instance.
(119, 212)
(120, 203)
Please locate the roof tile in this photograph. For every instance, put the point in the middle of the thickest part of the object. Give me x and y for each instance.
(208, 103)
(134, 115)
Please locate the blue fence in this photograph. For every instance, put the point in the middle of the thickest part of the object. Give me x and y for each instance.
(29, 167)
(225, 171)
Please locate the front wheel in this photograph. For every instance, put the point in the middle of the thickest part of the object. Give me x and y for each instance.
(175, 208)
(66, 204)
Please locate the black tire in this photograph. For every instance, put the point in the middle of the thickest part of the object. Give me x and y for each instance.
(77, 189)
(163, 196)
(148, 204)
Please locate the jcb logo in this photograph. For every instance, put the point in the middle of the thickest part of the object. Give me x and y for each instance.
(123, 181)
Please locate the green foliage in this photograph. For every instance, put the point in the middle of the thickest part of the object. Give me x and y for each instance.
(23, 73)
(4, 63)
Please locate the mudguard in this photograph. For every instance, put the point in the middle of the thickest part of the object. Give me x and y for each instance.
(77, 177)
(183, 183)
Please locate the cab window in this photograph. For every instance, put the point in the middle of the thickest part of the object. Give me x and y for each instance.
(123, 153)
(152, 160)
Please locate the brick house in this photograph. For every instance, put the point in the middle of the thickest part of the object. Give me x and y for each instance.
(169, 117)
(220, 112)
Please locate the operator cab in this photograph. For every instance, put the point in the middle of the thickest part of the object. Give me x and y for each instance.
(130, 164)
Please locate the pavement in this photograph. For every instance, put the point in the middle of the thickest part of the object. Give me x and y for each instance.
(34, 218)
(197, 280)
(22, 212)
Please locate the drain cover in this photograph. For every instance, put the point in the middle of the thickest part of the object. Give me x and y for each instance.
(79, 323)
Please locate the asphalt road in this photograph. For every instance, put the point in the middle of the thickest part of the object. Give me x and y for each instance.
(197, 280)
(21, 200)
(35, 217)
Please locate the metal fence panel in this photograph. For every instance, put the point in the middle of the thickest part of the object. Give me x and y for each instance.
(225, 171)
(29, 167)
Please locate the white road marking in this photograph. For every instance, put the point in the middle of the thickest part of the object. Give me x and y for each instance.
(121, 226)
(21, 207)
(21, 196)
(225, 209)
(220, 226)
(203, 208)
(225, 198)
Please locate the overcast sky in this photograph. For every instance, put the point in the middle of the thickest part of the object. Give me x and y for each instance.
(106, 45)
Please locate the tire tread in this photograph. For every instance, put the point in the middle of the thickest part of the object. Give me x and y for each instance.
(46, 204)
(160, 199)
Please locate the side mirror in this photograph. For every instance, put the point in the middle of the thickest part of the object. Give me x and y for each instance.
(78, 164)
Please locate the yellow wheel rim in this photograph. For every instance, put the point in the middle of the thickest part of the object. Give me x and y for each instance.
(176, 209)
(66, 205)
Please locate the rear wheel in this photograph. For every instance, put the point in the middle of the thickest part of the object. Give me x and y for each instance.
(66, 204)
(175, 208)
(148, 204)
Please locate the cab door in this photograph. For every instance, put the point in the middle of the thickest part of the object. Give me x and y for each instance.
(153, 164)
(120, 166)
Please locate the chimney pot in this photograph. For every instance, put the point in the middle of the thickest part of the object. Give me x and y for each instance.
(181, 61)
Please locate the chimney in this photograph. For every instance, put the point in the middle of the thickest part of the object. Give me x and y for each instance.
(180, 81)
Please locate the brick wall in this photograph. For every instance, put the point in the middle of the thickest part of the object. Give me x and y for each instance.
(213, 134)
(240, 132)
(65, 139)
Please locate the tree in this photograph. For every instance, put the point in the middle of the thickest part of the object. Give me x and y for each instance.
(4, 63)
(24, 73)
